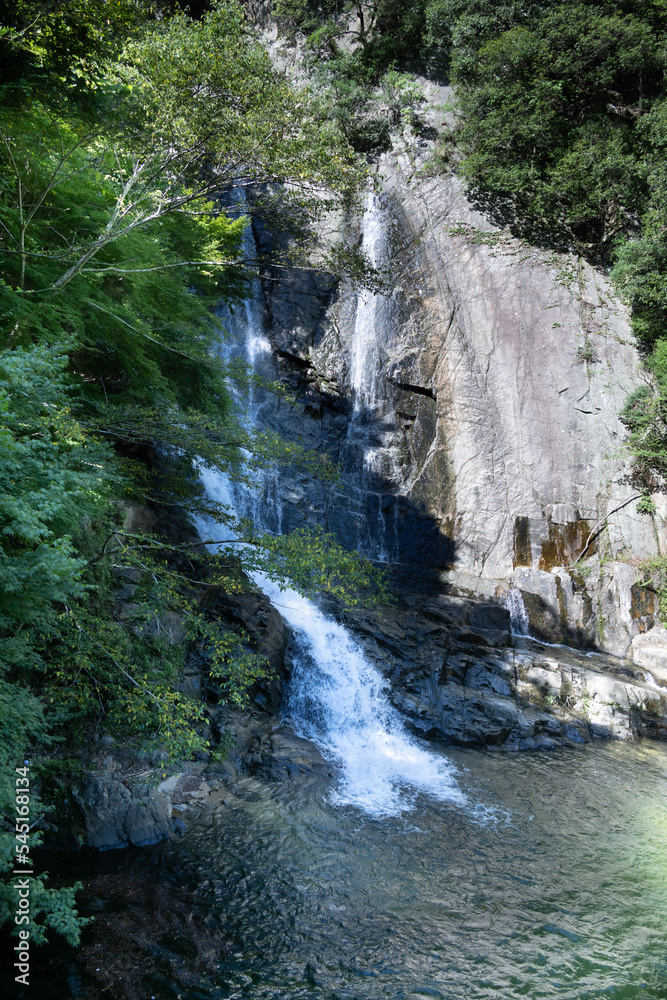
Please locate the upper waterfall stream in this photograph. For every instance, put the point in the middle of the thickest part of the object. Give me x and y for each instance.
(370, 452)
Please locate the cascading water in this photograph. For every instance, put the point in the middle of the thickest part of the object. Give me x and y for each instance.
(339, 700)
(365, 347)
(372, 452)
(246, 342)
(336, 697)
(513, 602)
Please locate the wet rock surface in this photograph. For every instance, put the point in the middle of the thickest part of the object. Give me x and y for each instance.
(115, 815)
(280, 755)
(475, 687)
(122, 799)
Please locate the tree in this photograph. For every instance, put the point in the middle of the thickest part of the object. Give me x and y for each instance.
(551, 98)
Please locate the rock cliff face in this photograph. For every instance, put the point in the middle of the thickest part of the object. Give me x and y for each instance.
(530, 358)
(494, 440)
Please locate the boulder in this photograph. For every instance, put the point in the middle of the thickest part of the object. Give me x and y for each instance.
(115, 815)
(650, 651)
(281, 755)
(490, 616)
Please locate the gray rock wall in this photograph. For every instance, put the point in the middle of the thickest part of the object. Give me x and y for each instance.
(458, 675)
(530, 358)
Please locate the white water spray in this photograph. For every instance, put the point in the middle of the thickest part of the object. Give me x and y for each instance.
(339, 700)
(513, 602)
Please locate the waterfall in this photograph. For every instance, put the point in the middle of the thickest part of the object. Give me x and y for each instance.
(371, 453)
(336, 697)
(246, 341)
(365, 348)
(513, 602)
(339, 700)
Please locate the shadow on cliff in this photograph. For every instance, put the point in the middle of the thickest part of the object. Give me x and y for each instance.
(369, 513)
(364, 510)
(397, 533)
(502, 212)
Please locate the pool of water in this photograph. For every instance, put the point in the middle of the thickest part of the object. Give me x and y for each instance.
(548, 880)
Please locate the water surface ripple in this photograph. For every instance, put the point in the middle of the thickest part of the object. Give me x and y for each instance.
(559, 892)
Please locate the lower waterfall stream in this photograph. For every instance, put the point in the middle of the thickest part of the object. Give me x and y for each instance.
(338, 699)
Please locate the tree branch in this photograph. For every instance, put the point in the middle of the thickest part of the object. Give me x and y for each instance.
(158, 544)
(163, 267)
(141, 333)
(123, 671)
(602, 521)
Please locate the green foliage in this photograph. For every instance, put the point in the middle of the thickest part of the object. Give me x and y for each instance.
(53, 44)
(129, 310)
(22, 722)
(53, 476)
(314, 562)
(640, 274)
(646, 506)
(551, 98)
(233, 662)
(641, 263)
(210, 88)
(654, 577)
(585, 354)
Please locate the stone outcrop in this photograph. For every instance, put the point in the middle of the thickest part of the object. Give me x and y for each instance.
(460, 681)
(115, 816)
(649, 650)
(121, 799)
